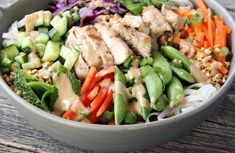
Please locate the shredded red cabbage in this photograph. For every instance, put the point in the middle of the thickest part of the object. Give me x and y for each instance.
(87, 14)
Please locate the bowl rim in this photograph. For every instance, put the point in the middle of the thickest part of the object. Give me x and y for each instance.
(100, 127)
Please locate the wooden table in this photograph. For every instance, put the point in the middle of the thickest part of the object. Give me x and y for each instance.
(216, 135)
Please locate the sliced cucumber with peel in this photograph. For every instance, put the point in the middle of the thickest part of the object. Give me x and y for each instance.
(52, 51)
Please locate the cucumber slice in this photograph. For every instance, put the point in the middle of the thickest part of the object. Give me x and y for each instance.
(40, 49)
(55, 20)
(75, 17)
(64, 51)
(21, 58)
(32, 65)
(16, 65)
(67, 14)
(42, 38)
(28, 45)
(5, 61)
(19, 38)
(52, 51)
(54, 35)
(60, 25)
(47, 16)
(56, 66)
(71, 59)
(40, 20)
(12, 51)
(43, 30)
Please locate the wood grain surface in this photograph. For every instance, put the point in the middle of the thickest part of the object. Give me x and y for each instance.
(215, 135)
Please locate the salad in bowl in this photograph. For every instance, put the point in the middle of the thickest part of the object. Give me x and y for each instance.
(117, 62)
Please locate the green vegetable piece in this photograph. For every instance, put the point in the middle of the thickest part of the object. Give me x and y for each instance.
(40, 49)
(28, 45)
(11, 52)
(52, 95)
(54, 35)
(120, 108)
(19, 38)
(145, 112)
(159, 3)
(64, 51)
(52, 51)
(183, 74)
(143, 62)
(16, 65)
(131, 118)
(120, 76)
(160, 104)
(47, 16)
(175, 92)
(28, 77)
(128, 61)
(162, 67)
(26, 92)
(71, 59)
(60, 25)
(153, 83)
(224, 52)
(5, 61)
(75, 17)
(173, 53)
(76, 84)
(42, 38)
(108, 115)
(197, 17)
(21, 58)
(39, 20)
(32, 65)
(135, 8)
(43, 30)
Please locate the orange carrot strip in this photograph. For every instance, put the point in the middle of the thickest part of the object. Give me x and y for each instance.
(182, 11)
(106, 103)
(90, 78)
(200, 38)
(99, 99)
(223, 70)
(210, 30)
(93, 93)
(202, 6)
(176, 40)
(206, 44)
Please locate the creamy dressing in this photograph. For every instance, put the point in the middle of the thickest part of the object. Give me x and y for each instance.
(121, 89)
(34, 34)
(32, 56)
(30, 21)
(78, 107)
(139, 91)
(133, 73)
(197, 73)
(66, 95)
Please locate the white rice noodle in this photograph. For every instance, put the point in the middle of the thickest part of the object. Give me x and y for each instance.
(195, 95)
(21, 23)
(9, 38)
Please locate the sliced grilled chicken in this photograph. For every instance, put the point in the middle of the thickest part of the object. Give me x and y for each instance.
(139, 41)
(135, 22)
(157, 23)
(94, 38)
(176, 21)
(91, 45)
(81, 68)
(116, 45)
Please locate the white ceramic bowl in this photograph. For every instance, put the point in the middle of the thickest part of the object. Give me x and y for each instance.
(103, 137)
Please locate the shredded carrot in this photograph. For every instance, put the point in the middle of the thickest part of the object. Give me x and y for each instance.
(106, 103)
(99, 99)
(69, 115)
(206, 44)
(210, 30)
(202, 7)
(223, 70)
(93, 93)
(90, 78)
(200, 38)
(182, 11)
(176, 40)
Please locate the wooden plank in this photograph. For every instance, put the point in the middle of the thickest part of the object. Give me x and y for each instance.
(216, 135)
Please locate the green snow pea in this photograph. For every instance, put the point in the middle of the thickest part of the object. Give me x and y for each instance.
(182, 74)
(175, 91)
(173, 53)
(153, 83)
(160, 104)
(162, 67)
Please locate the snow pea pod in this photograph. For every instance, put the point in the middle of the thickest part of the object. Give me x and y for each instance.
(162, 67)
(182, 74)
(175, 92)
(131, 118)
(173, 53)
(161, 104)
(153, 83)
(120, 98)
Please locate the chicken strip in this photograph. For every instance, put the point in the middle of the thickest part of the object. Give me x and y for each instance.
(176, 21)
(81, 68)
(139, 41)
(136, 22)
(94, 38)
(157, 23)
(116, 45)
